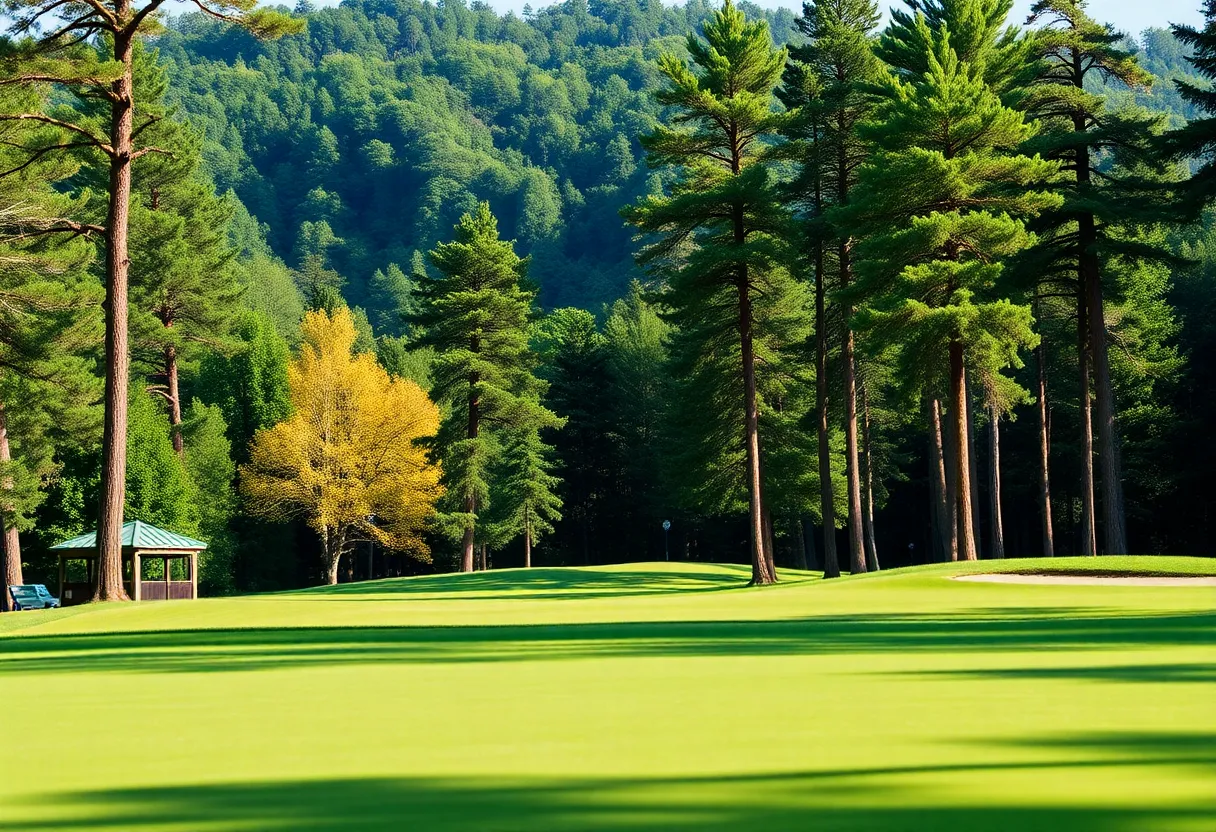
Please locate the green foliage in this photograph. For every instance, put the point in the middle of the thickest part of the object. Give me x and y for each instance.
(159, 490)
(1196, 140)
(212, 471)
(719, 242)
(941, 206)
(370, 134)
(250, 385)
(474, 312)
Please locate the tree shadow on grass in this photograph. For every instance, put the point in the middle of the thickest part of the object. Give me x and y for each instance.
(522, 584)
(255, 649)
(897, 798)
(1147, 673)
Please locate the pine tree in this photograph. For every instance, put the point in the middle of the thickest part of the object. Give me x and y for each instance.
(575, 366)
(721, 229)
(524, 499)
(46, 380)
(836, 67)
(183, 285)
(1072, 49)
(475, 312)
(639, 396)
(981, 38)
(1197, 138)
(86, 51)
(941, 202)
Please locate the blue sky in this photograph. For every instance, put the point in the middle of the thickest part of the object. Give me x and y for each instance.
(1131, 16)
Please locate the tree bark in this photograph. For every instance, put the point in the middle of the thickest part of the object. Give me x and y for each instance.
(769, 548)
(334, 540)
(470, 499)
(1114, 522)
(827, 494)
(941, 476)
(1049, 548)
(857, 554)
(751, 429)
(114, 434)
(1089, 535)
(868, 493)
(12, 572)
(527, 540)
(175, 399)
(1114, 527)
(973, 469)
(997, 531)
(962, 469)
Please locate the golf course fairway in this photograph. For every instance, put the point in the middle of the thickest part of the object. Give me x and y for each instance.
(634, 697)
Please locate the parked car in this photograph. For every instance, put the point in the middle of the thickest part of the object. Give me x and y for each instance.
(32, 597)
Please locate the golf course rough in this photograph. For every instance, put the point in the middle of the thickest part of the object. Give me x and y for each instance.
(633, 697)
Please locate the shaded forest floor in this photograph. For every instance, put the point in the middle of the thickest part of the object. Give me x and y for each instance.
(636, 697)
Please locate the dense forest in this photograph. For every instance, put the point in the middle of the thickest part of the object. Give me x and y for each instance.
(397, 286)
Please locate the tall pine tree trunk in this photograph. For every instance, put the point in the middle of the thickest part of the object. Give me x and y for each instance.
(868, 483)
(827, 494)
(962, 469)
(12, 572)
(470, 499)
(941, 477)
(114, 433)
(762, 571)
(1049, 546)
(973, 469)
(1114, 527)
(1088, 531)
(997, 548)
(857, 554)
(527, 540)
(175, 398)
(769, 548)
(1114, 523)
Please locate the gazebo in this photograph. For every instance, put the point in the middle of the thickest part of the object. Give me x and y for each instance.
(139, 541)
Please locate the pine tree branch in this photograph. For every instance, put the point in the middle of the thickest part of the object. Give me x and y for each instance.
(63, 125)
(39, 153)
(144, 151)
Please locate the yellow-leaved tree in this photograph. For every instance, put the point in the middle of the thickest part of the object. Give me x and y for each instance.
(347, 459)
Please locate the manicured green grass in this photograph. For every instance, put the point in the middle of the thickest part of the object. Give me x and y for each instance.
(631, 697)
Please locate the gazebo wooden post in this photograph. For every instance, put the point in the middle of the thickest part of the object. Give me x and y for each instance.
(61, 577)
(135, 581)
(194, 575)
(168, 593)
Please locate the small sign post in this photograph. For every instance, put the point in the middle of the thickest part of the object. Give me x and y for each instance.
(666, 550)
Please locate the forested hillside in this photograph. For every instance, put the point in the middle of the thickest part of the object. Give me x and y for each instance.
(364, 139)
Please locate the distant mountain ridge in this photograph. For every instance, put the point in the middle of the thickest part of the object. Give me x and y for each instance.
(364, 140)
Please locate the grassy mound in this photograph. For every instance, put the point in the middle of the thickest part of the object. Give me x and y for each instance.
(643, 696)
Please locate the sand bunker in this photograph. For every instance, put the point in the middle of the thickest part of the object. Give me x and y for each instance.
(1088, 580)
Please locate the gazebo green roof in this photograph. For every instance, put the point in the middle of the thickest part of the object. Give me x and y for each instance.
(138, 535)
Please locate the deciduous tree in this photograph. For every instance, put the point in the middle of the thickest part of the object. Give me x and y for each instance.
(349, 458)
